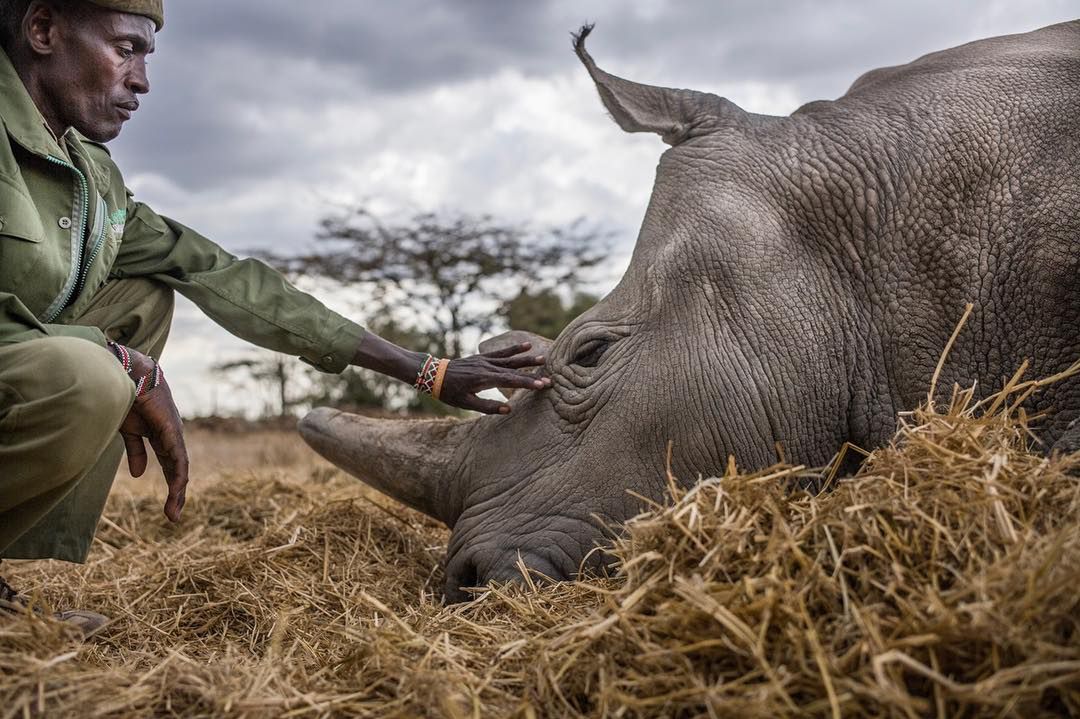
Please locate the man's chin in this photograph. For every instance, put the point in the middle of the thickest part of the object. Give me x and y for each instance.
(101, 133)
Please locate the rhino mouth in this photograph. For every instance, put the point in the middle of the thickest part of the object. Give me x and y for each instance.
(535, 531)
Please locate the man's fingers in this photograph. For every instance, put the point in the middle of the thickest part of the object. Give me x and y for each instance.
(523, 361)
(481, 405)
(518, 380)
(176, 477)
(174, 461)
(487, 406)
(508, 351)
(174, 504)
(172, 455)
(136, 454)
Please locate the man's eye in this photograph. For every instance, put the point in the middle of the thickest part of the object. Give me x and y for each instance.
(126, 52)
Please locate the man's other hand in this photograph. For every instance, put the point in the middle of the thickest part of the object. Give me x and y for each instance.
(155, 417)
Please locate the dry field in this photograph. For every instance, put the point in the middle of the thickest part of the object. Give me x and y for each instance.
(940, 581)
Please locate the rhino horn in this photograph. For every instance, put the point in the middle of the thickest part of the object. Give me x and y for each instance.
(675, 115)
(408, 460)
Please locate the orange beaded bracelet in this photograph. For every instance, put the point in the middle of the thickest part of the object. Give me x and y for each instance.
(440, 375)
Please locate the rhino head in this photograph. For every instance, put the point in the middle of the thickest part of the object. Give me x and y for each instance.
(793, 284)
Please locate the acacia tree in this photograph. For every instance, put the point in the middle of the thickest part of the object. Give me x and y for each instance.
(269, 369)
(544, 313)
(450, 272)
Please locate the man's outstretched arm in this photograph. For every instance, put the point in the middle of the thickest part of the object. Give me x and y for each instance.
(257, 303)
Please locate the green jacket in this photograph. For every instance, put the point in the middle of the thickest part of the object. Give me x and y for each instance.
(68, 224)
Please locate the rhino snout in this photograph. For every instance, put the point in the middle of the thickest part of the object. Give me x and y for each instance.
(549, 556)
(467, 572)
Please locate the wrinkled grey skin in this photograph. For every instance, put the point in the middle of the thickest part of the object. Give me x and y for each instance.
(795, 280)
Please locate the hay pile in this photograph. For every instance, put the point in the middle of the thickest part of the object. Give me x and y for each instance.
(944, 580)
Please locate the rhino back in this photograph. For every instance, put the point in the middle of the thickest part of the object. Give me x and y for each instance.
(960, 182)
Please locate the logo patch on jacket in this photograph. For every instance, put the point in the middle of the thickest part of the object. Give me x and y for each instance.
(118, 219)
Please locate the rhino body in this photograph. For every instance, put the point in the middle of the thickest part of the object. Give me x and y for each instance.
(795, 281)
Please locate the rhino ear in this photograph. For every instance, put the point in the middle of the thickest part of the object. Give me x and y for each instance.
(540, 346)
(675, 115)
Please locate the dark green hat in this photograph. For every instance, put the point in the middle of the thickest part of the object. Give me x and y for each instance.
(148, 8)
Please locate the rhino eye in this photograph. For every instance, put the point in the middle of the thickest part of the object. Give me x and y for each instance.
(590, 353)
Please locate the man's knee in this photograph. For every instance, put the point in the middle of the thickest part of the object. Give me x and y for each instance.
(91, 381)
(78, 393)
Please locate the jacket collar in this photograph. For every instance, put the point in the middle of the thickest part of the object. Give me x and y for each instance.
(20, 115)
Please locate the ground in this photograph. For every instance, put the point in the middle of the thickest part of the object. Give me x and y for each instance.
(941, 580)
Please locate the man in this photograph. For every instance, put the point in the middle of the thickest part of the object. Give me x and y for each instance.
(87, 276)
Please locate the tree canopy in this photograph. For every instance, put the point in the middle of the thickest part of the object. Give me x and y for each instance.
(429, 281)
(446, 274)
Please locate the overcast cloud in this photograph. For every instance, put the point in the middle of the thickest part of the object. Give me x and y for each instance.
(265, 115)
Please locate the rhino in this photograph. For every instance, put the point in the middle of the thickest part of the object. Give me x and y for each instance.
(793, 285)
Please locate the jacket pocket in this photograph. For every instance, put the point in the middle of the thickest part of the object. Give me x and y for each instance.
(18, 216)
(31, 268)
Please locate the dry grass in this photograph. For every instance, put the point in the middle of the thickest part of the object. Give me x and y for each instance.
(942, 580)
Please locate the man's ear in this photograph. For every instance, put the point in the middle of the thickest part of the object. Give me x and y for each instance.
(39, 27)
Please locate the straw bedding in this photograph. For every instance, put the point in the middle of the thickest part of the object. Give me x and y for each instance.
(941, 580)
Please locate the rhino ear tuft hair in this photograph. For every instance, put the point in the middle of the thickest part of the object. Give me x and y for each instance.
(675, 115)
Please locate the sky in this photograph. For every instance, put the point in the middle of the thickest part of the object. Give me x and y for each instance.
(265, 115)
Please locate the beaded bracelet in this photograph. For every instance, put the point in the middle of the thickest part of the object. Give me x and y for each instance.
(151, 380)
(122, 354)
(429, 380)
(147, 382)
(440, 376)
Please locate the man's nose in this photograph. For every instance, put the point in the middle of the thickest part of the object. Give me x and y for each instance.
(139, 81)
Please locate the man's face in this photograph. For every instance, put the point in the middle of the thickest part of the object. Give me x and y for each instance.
(97, 70)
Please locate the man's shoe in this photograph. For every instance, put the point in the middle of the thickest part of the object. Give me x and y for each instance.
(88, 623)
(10, 600)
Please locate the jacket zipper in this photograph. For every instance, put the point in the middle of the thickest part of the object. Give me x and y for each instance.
(89, 260)
(79, 269)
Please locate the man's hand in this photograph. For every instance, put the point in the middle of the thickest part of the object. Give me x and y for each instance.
(464, 377)
(501, 368)
(155, 417)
